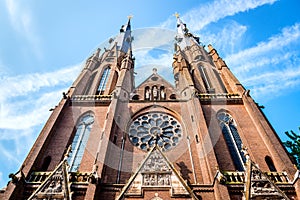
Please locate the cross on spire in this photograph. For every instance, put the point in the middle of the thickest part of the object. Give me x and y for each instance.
(130, 17)
(176, 15)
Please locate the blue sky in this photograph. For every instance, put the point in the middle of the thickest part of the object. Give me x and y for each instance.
(43, 45)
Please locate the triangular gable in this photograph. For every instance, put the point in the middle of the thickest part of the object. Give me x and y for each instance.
(156, 172)
(261, 186)
(56, 185)
(156, 77)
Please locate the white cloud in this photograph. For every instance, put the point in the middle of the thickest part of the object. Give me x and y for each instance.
(274, 44)
(145, 62)
(199, 17)
(27, 114)
(24, 106)
(21, 20)
(277, 78)
(26, 99)
(21, 85)
(153, 37)
(218, 9)
(270, 67)
(8, 154)
(228, 38)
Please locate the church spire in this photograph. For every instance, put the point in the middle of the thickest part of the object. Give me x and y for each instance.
(124, 39)
(183, 37)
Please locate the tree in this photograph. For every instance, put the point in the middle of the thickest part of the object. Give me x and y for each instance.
(293, 146)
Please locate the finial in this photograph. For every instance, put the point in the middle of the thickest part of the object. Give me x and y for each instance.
(154, 70)
(176, 15)
(130, 16)
(69, 150)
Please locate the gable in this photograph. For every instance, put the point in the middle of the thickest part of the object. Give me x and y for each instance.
(56, 186)
(154, 88)
(156, 173)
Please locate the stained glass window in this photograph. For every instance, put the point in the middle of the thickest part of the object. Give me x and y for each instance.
(232, 139)
(83, 130)
(103, 81)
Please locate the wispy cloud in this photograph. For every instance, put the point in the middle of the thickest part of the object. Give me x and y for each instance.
(153, 37)
(33, 111)
(21, 85)
(8, 154)
(32, 96)
(275, 44)
(146, 61)
(153, 48)
(199, 17)
(21, 20)
(25, 101)
(271, 66)
(231, 31)
(272, 84)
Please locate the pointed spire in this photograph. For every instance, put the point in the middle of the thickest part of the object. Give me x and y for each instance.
(124, 39)
(184, 38)
(128, 27)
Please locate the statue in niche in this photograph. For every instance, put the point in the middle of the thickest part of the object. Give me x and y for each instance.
(152, 179)
(155, 92)
(162, 94)
(51, 187)
(148, 94)
(146, 179)
(167, 179)
(160, 179)
(58, 187)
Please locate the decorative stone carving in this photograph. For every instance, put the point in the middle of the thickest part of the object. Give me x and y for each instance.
(155, 179)
(55, 186)
(155, 163)
(261, 187)
(156, 172)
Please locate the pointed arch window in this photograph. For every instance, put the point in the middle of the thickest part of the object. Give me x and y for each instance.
(232, 139)
(205, 77)
(220, 80)
(103, 80)
(88, 86)
(270, 164)
(46, 163)
(83, 130)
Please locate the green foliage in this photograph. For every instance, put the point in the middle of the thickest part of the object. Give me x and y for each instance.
(293, 146)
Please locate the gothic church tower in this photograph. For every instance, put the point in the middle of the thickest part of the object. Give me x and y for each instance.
(202, 138)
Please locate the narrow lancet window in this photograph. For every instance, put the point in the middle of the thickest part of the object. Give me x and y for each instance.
(103, 81)
(270, 164)
(82, 133)
(205, 78)
(89, 84)
(232, 139)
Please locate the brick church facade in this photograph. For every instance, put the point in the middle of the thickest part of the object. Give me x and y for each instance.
(202, 138)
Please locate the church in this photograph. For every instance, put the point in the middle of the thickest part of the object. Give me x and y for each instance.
(202, 137)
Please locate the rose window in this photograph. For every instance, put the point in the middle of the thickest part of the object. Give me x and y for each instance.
(155, 129)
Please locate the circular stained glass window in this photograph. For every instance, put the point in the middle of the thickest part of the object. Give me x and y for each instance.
(155, 128)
